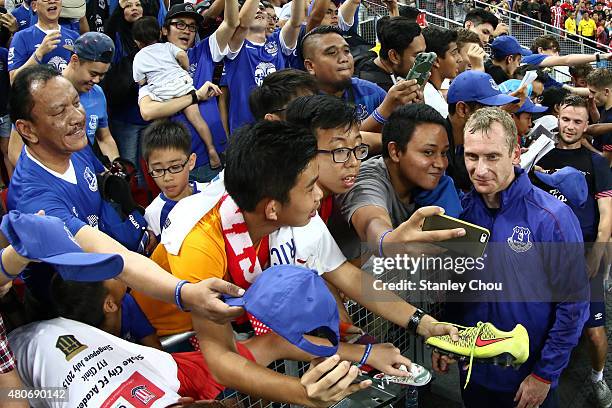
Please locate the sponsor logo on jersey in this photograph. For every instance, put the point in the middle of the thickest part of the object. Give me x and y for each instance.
(69, 345)
(520, 240)
(58, 63)
(262, 70)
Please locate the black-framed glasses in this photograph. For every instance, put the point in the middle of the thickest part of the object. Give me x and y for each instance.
(342, 154)
(181, 25)
(175, 168)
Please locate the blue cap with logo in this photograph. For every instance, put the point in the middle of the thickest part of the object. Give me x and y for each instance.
(477, 86)
(570, 182)
(528, 106)
(505, 45)
(95, 47)
(294, 301)
(46, 239)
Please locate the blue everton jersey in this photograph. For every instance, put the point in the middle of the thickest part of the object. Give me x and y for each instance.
(23, 16)
(246, 70)
(201, 69)
(73, 196)
(365, 95)
(94, 103)
(26, 41)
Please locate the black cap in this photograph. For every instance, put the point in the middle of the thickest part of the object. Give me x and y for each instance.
(184, 9)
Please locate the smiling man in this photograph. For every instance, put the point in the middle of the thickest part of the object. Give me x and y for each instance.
(535, 252)
(93, 53)
(379, 207)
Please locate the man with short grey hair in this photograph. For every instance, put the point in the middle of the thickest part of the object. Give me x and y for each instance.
(535, 253)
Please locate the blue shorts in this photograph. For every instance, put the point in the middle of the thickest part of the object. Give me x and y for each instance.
(597, 308)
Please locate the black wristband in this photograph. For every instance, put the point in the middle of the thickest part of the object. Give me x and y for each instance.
(194, 97)
(414, 321)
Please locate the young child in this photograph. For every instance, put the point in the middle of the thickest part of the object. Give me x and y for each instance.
(166, 147)
(163, 67)
(104, 305)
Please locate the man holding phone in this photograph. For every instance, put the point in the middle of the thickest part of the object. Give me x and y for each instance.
(400, 43)
(327, 56)
(536, 258)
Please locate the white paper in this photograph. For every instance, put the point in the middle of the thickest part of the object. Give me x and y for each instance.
(528, 79)
(537, 149)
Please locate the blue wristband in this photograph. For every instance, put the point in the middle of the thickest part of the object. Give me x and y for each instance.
(11, 277)
(177, 295)
(380, 242)
(378, 117)
(366, 354)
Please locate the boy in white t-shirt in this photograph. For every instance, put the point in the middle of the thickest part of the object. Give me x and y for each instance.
(164, 68)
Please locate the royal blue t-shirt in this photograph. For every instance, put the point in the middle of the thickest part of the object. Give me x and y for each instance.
(201, 68)
(94, 103)
(134, 324)
(4, 81)
(72, 197)
(365, 95)
(246, 70)
(23, 16)
(25, 42)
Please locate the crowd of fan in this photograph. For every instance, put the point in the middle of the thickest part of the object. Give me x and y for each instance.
(202, 143)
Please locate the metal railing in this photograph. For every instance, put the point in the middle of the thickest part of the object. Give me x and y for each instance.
(383, 330)
(451, 13)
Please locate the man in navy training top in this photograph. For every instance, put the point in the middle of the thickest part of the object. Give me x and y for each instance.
(535, 252)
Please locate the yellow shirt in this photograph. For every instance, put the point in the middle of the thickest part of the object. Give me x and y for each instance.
(570, 25)
(202, 256)
(587, 29)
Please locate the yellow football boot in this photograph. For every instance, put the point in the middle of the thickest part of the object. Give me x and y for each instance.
(485, 344)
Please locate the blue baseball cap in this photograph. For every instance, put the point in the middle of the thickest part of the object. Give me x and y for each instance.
(528, 106)
(94, 46)
(569, 181)
(44, 238)
(477, 86)
(294, 301)
(505, 45)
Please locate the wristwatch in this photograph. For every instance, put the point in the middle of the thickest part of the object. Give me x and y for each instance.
(414, 321)
(194, 97)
